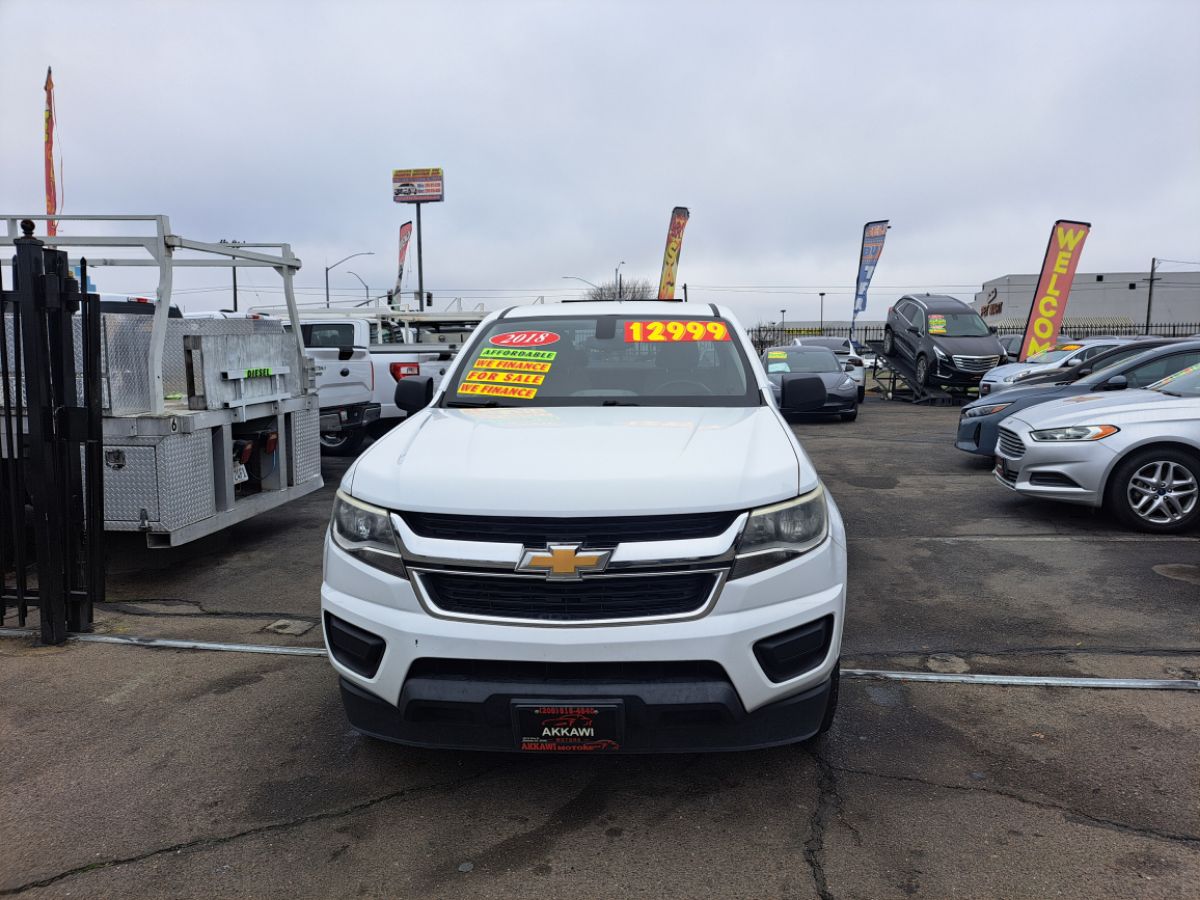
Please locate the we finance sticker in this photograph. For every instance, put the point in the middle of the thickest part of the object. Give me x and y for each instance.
(481, 389)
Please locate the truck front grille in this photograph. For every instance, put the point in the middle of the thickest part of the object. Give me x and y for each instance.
(590, 531)
(601, 598)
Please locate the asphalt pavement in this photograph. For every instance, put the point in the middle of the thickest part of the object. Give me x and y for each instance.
(136, 772)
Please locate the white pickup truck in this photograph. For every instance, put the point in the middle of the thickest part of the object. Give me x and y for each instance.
(597, 534)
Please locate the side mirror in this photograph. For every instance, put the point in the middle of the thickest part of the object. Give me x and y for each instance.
(992, 329)
(414, 393)
(1116, 383)
(345, 353)
(801, 393)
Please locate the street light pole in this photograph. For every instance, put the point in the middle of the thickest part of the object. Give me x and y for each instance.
(366, 290)
(584, 280)
(338, 263)
(617, 277)
(822, 296)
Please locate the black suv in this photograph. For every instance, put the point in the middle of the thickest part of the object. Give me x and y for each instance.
(944, 338)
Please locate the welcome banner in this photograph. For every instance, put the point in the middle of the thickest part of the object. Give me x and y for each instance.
(666, 284)
(1054, 287)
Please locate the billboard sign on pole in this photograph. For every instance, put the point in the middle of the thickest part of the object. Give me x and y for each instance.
(417, 185)
(1054, 287)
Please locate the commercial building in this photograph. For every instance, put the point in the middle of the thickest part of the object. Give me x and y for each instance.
(1116, 299)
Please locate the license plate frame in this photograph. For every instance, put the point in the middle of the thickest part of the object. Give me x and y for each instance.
(575, 726)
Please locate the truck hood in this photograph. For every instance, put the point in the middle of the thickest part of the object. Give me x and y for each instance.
(577, 461)
(1109, 407)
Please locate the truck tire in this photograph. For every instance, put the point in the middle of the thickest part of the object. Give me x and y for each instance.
(1142, 477)
(342, 443)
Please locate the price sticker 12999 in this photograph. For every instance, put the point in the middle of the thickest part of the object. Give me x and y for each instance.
(687, 330)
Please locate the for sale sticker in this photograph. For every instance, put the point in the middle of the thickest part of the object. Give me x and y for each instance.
(505, 377)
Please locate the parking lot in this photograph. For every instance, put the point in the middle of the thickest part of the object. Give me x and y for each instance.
(134, 772)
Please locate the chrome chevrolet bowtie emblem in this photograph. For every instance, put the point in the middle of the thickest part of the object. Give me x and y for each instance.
(563, 562)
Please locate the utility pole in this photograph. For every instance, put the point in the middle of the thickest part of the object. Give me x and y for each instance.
(1150, 292)
(685, 300)
(821, 294)
(420, 261)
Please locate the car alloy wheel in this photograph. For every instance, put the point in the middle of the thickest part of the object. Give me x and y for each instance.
(922, 371)
(1162, 492)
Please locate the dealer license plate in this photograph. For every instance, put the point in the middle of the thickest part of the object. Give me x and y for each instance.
(555, 727)
(240, 474)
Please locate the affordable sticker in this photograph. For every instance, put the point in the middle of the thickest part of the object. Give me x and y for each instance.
(672, 331)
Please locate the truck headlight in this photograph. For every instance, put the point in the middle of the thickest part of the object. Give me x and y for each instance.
(365, 532)
(975, 412)
(1075, 433)
(775, 534)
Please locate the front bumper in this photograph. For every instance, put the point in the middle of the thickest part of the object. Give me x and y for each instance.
(748, 610)
(978, 435)
(1068, 471)
(676, 716)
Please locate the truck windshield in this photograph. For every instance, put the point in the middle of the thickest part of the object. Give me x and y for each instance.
(604, 361)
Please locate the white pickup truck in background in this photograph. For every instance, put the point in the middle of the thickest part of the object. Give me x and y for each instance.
(366, 352)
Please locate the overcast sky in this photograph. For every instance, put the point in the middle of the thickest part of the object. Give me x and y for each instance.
(568, 131)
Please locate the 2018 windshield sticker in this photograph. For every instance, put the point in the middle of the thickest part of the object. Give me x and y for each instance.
(776, 354)
(669, 331)
(505, 377)
(524, 338)
(512, 365)
(511, 353)
(497, 390)
(937, 324)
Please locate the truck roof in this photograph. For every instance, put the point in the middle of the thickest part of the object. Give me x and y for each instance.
(660, 308)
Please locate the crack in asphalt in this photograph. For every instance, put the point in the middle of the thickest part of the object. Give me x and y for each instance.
(827, 808)
(1070, 814)
(203, 843)
(1025, 651)
(122, 606)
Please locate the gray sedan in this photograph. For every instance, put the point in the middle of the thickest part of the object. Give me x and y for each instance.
(1136, 452)
(840, 388)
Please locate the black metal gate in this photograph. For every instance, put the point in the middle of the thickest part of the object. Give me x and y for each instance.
(51, 479)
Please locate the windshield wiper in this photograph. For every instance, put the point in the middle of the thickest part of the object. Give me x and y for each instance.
(619, 403)
(1170, 393)
(477, 404)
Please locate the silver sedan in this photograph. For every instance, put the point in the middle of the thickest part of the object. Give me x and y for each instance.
(1134, 452)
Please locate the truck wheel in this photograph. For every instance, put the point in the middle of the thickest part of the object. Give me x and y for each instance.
(1156, 490)
(922, 371)
(850, 416)
(831, 706)
(889, 342)
(342, 443)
